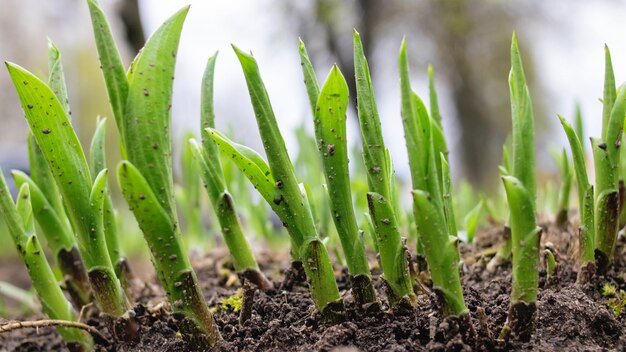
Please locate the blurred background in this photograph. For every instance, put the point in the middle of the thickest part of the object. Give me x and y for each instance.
(467, 42)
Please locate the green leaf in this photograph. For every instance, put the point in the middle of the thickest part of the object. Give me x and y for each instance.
(207, 118)
(608, 100)
(60, 146)
(42, 176)
(310, 79)
(578, 155)
(371, 133)
(320, 272)
(579, 125)
(392, 252)
(154, 222)
(523, 153)
(57, 77)
(441, 253)
(66, 160)
(111, 64)
(56, 230)
(434, 101)
(525, 241)
(97, 151)
(163, 237)
(249, 162)
(330, 121)
(146, 122)
(19, 220)
(96, 202)
(472, 220)
(279, 162)
(446, 190)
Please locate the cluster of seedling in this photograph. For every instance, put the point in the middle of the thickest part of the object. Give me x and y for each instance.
(67, 196)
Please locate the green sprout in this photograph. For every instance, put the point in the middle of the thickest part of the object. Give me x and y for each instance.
(472, 220)
(430, 190)
(47, 203)
(278, 185)
(606, 155)
(141, 104)
(586, 230)
(329, 109)
(58, 142)
(550, 263)
(109, 216)
(520, 190)
(207, 161)
(381, 202)
(19, 219)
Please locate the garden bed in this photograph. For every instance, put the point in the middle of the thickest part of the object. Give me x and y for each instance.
(569, 317)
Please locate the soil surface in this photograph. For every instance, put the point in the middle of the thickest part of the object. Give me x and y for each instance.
(569, 317)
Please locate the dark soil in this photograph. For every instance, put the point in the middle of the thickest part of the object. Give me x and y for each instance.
(569, 317)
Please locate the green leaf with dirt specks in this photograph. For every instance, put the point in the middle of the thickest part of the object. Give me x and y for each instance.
(392, 253)
(374, 153)
(163, 237)
(146, 122)
(525, 242)
(443, 266)
(310, 79)
(300, 222)
(60, 146)
(20, 223)
(249, 162)
(330, 128)
(56, 81)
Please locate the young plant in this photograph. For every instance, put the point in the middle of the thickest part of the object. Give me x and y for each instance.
(60, 239)
(207, 161)
(393, 258)
(586, 259)
(278, 185)
(472, 220)
(97, 154)
(441, 154)
(329, 112)
(141, 105)
(19, 220)
(520, 190)
(83, 198)
(606, 154)
(47, 204)
(429, 190)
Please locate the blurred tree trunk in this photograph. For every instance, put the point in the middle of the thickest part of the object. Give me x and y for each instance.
(129, 15)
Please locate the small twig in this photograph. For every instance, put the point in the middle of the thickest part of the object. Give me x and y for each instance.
(50, 322)
(83, 311)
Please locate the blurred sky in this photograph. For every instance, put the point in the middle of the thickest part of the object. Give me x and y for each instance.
(568, 50)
